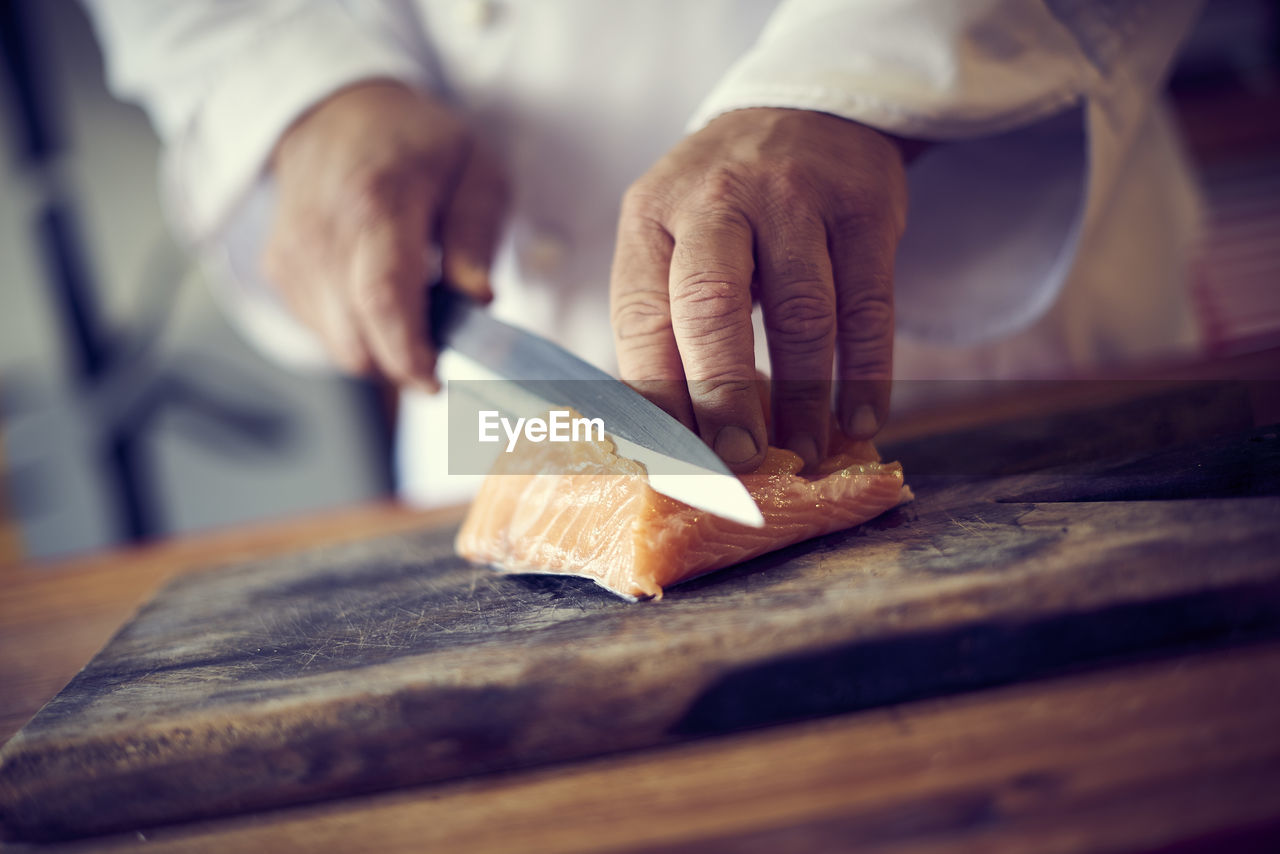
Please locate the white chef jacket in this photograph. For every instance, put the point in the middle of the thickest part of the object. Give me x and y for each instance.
(1048, 230)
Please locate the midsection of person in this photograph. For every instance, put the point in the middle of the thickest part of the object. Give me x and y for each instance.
(1012, 205)
(581, 104)
(578, 99)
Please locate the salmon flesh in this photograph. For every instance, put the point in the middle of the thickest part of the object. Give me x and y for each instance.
(581, 509)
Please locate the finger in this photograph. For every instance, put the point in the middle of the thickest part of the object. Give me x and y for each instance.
(336, 324)
(387, 286)
(798, 299)
(710, 291)
(863, 265)
(640, 310)
(316, 299)
(471, 225)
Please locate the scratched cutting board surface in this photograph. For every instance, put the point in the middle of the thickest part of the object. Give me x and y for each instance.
(391, 662)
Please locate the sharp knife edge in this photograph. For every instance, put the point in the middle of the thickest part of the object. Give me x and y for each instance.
(680, 464)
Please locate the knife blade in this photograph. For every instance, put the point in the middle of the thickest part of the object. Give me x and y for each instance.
(679, 463)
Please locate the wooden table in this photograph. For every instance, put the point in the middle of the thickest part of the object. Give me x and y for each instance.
(1175, 752)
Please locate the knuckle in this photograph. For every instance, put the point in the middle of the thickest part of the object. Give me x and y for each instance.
(803, 319)
(805, 271)
(865, 363)
(866, 319)
(866, 337)
(706, 301)
(710, 338)
(640, 315)
(789, 182)
(641, 202)
(873, 288)
(723, 387)
(709, 250)
(704, 237)
(721, 187)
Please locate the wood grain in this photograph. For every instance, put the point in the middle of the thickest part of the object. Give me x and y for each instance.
(1175, 811)
(1178, 756)
(54, 616)
(390, 662)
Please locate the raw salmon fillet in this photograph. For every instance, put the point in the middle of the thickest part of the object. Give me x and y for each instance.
(580, 509)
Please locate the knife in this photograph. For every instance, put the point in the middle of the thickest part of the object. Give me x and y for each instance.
(679, 463)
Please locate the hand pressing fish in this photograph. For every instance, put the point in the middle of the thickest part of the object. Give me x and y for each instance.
(581, 509)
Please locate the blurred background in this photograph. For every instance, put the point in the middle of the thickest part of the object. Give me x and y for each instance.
(131, 411)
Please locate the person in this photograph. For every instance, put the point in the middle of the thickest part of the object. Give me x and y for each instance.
(904, 188)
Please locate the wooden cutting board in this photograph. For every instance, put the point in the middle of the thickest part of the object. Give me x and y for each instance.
(1042, 545)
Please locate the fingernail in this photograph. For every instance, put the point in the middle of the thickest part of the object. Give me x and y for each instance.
(805, 448)
(863, 423)
(735, 445)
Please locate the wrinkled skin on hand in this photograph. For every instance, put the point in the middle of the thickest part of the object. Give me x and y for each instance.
(371, 183)
(798, 209)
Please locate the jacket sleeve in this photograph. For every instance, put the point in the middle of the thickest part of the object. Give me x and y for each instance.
(1034, 105)
(222, 79)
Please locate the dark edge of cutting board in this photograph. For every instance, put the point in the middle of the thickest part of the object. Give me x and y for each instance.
(592, 684)
(346, 750)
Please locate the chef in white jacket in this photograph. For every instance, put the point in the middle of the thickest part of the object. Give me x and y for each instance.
(915, 188)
